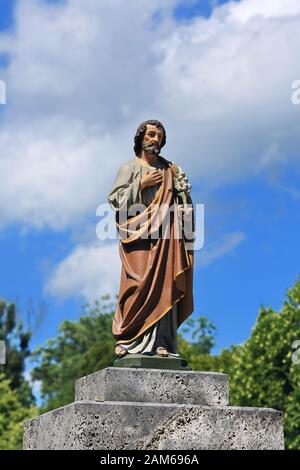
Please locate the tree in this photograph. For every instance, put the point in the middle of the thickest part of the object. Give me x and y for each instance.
(12, 415)
(261, 370)
(17, 351)
(202, 333)
(82, 347)
(196, 341)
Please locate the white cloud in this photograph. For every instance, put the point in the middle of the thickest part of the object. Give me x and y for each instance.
(89, 271)
(92, 270)
(73, 99)
(84, 74)
(227, 85)
(53, 181)
(217, 249)
(248, 9)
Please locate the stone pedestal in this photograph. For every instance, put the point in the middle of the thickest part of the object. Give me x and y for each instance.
(134, 408)
(142, 361)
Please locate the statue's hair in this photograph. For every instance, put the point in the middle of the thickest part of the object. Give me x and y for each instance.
(139, 136)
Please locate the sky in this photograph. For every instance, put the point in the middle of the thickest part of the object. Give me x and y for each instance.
(80, 77)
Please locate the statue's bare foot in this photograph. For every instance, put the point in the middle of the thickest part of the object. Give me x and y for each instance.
(162, 352)
(120, 351)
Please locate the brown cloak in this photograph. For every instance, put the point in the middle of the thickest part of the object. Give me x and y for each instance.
(156, 273)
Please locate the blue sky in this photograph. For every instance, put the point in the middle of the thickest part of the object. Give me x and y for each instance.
(246, 172)
(189, 10)
(7, 17)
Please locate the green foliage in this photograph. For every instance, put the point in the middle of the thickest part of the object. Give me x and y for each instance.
(202, 333)
(263, 374)
(82, 347)
(261, 370)
(197, 349)
(16, 399)
(17, 350)
(12, 415)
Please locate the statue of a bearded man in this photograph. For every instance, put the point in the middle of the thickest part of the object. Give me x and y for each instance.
(156, 286)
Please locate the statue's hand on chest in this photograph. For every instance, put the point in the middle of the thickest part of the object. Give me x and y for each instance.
(151, 179)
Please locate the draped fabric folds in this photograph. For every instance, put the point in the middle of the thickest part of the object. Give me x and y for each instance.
(157, 267)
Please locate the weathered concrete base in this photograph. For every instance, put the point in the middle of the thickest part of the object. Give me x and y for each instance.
(115, 425)
(154, 386)
(128, 408)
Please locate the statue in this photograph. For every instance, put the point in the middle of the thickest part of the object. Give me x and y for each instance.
(156, 285)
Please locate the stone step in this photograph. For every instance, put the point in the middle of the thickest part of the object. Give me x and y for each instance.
(89, 425)
(123, 384)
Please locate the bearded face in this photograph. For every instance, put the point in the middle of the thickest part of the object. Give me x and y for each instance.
(152, 140)
(151, 147)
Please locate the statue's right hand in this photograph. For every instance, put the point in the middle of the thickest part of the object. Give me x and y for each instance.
(150, 179)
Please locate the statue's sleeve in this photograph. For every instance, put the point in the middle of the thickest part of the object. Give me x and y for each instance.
(125, 190)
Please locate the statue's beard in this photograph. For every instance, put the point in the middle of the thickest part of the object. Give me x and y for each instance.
(153, 147)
